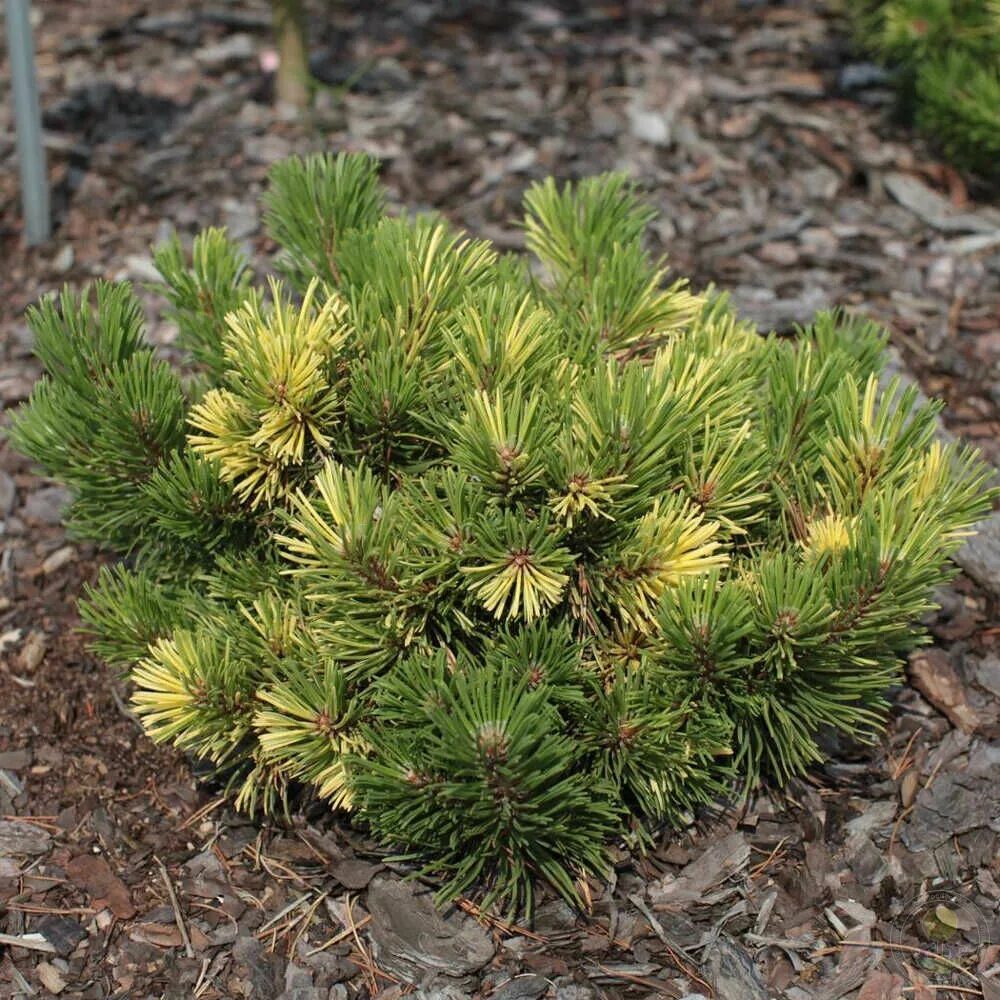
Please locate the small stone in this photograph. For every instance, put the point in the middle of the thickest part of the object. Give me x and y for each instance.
(266, 149)
(980, 555)
(241, 218)
(63, 260)
(874, 818)
(649, 126)
(297, 977)
(61, 557)
(555, 917)
(518, 945)
(821, 183)
(861, 76)
(33, 652)
(141, 267)
(941, 275)
(234, 49)
(47, 504)
(299, 985)
(779, 252)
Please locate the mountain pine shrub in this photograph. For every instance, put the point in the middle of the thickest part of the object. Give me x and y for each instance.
(946, 55)
(509, 557)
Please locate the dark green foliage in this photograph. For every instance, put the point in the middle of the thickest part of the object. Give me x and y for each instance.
(958, 103)
(107, 412)
(314, 204)
(511, 562)
(203, 292)
(478, 768)
(946, 54)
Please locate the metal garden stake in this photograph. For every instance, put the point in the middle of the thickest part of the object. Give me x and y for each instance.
(31, 153)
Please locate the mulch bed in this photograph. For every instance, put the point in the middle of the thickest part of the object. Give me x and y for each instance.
(781, 174)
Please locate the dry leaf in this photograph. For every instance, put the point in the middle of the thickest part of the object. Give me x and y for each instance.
(160, 935)
(104, 887)
(908, 788)
(882, 986)
(920, 984)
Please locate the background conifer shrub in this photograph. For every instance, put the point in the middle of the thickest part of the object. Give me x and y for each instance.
(946, 58)
(511, 557)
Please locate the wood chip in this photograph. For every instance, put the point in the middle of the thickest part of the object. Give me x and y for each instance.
(50, 977)
(935, 677)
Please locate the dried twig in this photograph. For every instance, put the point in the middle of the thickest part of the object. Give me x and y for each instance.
(762, 867)
(178, 918)
(651, 984)
(467, 906)
(305, 922)
(38, 908)
(200, 814)
(125, 710)
(337, 938)
(686, 964)
(363, 957)
(944, 988)
(905, 762)
(33, 942)
(199, 986)
(893, 946)
(294, 905)
(906, 812)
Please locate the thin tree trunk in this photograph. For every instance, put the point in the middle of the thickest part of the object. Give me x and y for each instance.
(293, 52)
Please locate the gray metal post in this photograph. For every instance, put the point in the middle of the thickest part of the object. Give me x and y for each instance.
(30, 151)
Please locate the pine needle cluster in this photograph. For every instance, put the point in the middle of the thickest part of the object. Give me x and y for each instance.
(509, 556)
(946, 56)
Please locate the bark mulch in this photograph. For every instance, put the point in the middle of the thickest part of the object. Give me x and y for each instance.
(781, 173)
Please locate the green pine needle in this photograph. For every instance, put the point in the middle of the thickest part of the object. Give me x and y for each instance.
(512, 562)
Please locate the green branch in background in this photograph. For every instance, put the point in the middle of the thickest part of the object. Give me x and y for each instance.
(510, 560)
(946, 55)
